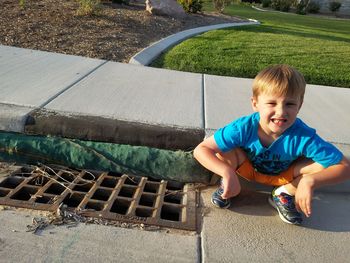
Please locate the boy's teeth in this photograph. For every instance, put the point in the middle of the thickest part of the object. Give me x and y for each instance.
(279, 122)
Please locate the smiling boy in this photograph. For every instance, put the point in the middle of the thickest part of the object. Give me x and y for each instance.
(274, 147)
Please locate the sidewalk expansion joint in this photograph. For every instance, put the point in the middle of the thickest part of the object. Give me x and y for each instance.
(110, 196)
(71, 85)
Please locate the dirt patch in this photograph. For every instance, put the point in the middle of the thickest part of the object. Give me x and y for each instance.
(116, 34)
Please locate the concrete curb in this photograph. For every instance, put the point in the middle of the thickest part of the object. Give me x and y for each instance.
(147, 55)
(112, 130)
(13, 117)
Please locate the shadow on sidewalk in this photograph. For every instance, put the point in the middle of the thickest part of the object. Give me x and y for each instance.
(331, 211)
(250, 202)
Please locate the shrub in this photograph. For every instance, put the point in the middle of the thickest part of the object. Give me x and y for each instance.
(313, 7)
(220, 5)
(125, 2)
(282, 5)
(275, 4)
(191, 6)
(22, 3)
(266, 3)
(301, 8)
(334, 6)
(89, 7)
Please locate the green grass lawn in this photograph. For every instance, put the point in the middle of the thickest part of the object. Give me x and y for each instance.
(318, 47)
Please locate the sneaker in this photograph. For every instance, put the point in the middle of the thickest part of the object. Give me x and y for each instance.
(284, 204)
(218, 201)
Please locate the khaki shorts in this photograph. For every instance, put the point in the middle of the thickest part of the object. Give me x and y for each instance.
(247, 171)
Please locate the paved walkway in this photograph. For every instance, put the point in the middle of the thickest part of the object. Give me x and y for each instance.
(48, 93)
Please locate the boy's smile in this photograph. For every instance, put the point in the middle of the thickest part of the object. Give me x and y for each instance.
(278, 121)
(277, 114)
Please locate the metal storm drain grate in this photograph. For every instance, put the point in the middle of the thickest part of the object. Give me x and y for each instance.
(102, 195)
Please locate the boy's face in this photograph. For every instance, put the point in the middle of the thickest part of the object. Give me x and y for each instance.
(277, 113)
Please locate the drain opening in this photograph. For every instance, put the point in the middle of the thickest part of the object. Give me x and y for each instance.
(24, 193)
(83, 187)
(73, 200)
(90, 176)
(141, 212)
(170, 213)
(174, 186)
(147, 200)
(65, 177)
(32, 171)
(4, 192)
(174, 198)
(127, 191)
(109, 182)
(151, 179)
(38, 181)
(11, 182)
(101, 194)
(44, 199)
(55, 189)
(132, 181)
(120, 206)
(151, 187)
(24, 171)
(95, 206)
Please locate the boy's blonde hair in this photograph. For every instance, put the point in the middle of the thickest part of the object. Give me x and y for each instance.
(281, 80)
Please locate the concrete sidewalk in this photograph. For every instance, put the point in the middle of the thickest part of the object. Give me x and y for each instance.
(46, 93)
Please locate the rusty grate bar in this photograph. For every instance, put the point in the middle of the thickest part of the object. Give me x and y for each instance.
(111, 196)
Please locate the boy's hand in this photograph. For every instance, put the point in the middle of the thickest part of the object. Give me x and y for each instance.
(231, 186)
(303, 196)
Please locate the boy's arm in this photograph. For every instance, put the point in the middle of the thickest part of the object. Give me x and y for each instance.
(205, 153)
(334, 174)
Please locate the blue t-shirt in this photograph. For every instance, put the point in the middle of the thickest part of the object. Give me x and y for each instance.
(298, 140)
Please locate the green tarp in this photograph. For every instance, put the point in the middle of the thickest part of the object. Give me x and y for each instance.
(139, 160)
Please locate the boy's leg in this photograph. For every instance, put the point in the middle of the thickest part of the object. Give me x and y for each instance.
(282, 198)
(234, 158)
(302, 168)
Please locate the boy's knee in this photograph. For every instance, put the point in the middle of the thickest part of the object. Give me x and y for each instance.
(306, 166)
(234, 157)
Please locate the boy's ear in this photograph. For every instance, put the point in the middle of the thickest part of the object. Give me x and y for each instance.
(254, 102)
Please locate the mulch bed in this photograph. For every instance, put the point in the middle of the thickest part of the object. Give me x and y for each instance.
(116, 34)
